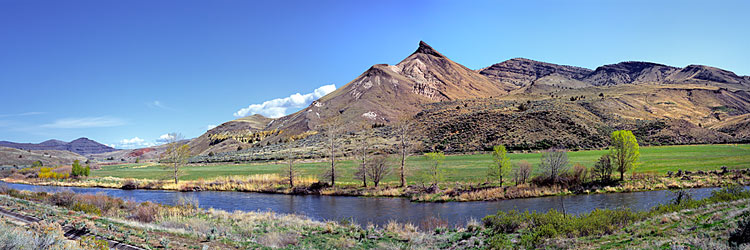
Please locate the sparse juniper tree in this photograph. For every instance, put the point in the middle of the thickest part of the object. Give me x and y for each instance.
(554, 162)
(176, 155)
(434, 172)
(291, 172)
(501, 164)
(624, 151)
(404, 133)
(378, 168)
(603, 169)
(522, 172)
(331, 128)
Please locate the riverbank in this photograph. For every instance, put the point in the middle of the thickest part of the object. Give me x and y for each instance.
(271, 183)
(707, 224)
(150, 226)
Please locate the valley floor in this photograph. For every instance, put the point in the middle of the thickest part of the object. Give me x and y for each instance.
(465, 180)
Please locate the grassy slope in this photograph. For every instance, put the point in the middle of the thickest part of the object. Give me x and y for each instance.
(466, 168)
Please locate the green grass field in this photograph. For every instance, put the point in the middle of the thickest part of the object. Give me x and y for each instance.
(464, 168)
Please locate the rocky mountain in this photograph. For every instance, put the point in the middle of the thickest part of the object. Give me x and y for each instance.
(646, 72)
(82, 146)
(383, 93)
(522, 72)
(519, 102)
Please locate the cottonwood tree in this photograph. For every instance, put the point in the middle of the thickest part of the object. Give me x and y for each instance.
(434, 172)
(624, 151)
(378, 168)
(403, 131)
(501, 164)
(176, 155)
(331, 129)
(554, 162)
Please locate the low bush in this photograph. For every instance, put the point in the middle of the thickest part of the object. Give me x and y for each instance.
(741, 235)
(145, 212)
(63, 199)
(86, 208)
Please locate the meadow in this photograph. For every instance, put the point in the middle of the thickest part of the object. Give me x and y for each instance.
(468, 168)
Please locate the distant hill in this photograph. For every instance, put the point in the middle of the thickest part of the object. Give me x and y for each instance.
(131, 155)
(522, 103)
(13, 157)
(81, 146)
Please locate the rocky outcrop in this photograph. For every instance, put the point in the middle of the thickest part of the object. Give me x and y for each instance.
(522, 71)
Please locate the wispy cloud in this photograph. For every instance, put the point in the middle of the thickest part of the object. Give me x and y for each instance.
(210, 127)
(86, 122)
(278, 107)
(21, 114)
(158, 104)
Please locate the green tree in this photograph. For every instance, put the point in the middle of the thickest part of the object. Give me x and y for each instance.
(434, 171)
(37, 164)
(624, 151)
(79, 171)
(501, 166)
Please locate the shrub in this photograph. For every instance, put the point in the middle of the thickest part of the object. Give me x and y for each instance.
(741, 235)
(145, 212)
(505, 222)
(535, 227)
(580, 173)
(86, 208)
(433, 223)
(63, 199)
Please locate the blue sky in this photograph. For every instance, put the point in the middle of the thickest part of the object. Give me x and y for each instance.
(127, 72)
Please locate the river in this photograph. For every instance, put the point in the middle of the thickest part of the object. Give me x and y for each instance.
(381, 210)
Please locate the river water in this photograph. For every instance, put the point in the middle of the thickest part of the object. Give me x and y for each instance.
(381, 210)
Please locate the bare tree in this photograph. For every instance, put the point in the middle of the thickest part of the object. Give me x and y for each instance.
(363, 152)
(291, 172)
(176, 155)
(331, 129)
(554, 162)
(522, 172)
(403, 131)
(603, 169)
(378, 168)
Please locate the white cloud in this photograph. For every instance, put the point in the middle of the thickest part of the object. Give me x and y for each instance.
(166, 137)
(278, 107)
(135, 142)
(86, 122)
(210, 127)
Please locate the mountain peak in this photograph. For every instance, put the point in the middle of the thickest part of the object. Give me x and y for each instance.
(424, 48)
